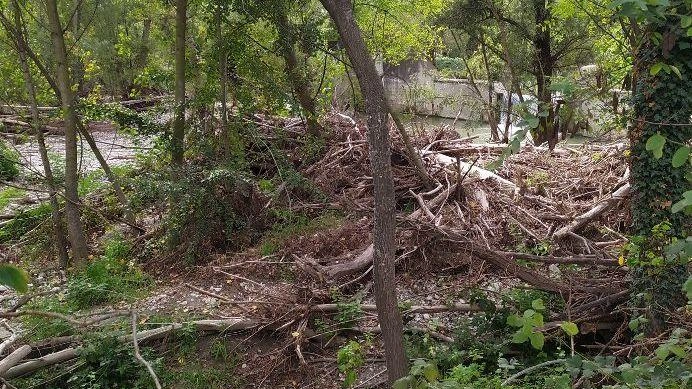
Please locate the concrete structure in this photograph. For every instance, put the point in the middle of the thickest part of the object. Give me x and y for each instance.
(416, 87)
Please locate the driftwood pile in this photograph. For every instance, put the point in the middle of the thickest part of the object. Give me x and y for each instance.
(561, 207)
(548, 208)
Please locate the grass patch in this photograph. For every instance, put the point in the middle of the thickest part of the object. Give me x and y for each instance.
(24, 222)
(290, 224)
(9, 194)
(111, 278)
(39, 327)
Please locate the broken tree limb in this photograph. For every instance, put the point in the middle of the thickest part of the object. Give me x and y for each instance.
(359, 263)
(458, 307)
(222, 325)
(138, 355)
(600, 208)
(472, 170)
(572, 260)
(411, 154)
(14, 358)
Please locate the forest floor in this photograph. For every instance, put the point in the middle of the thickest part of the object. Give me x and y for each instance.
(547, 223)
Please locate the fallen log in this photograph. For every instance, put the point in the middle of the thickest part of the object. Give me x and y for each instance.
(358, 264)
(571, 260)
(471, 169)
(222, 325)
(457, 307)
(600, 208)
(14, 358)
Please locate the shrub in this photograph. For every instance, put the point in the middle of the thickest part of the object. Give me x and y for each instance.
(110, 278)
(9, 162)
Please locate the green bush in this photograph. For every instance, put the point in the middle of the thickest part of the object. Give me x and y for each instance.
(110, 278)
(9, 162)
(25, 221)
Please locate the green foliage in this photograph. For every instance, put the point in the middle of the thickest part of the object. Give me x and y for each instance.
(8, 194)
(424, 374)
(13, 277)
(668, 367)
(528, 324)
(43, 328)
(9, 162)
(25, 221)
(109, 363)
(110, 278)
(349, 358)
(348, 310)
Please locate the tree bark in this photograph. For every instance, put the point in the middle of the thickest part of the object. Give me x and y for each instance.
(341, 13)
(296, 76)
(75, 232)
(60, 243)
(178, 139)
(543, 71)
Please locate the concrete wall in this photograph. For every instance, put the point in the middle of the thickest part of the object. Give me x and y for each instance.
(416, 86)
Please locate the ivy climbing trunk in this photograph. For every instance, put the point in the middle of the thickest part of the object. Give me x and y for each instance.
(662, 105)
(75, 232)
(60, 244)
(544, 65)
(388, 315)
(178, 139)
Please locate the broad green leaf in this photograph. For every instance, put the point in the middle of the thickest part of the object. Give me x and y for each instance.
(537, 340)
(536, 320)
(522, 335)
(515, 321)
(684, 203)
(633, 324)
(656, 68)
(529, 313)
(655, 144)
(687, 288)
(14, 277)
(677, 350)
(570, 328)
(686, 21)
(663, 351)
(681, 155)
(430, 372)
(676, 71)
(537, 304)
(403, 383)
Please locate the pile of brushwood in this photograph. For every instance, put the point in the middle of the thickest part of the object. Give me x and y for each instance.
(548, 221)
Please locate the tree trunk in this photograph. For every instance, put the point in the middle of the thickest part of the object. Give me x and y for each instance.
(493, 118)
(384, 222)
(662, 105)
(296, 76)
(72, 212)
(178, 139)
(60, 244)
(543, 70)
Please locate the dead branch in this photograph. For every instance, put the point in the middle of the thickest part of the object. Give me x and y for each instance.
(138, 355)
(600, 208)
(458, 307)
(224, 325)
(13, 359)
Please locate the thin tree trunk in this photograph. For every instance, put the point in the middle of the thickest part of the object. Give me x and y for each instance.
(505, 50)
(493, 117)
(178, 139)
(384, 222)
(544, 72)
(300, 84)
(75, 232)
(60, 244)
(110, 175)
(508, 119)
(17, 33)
